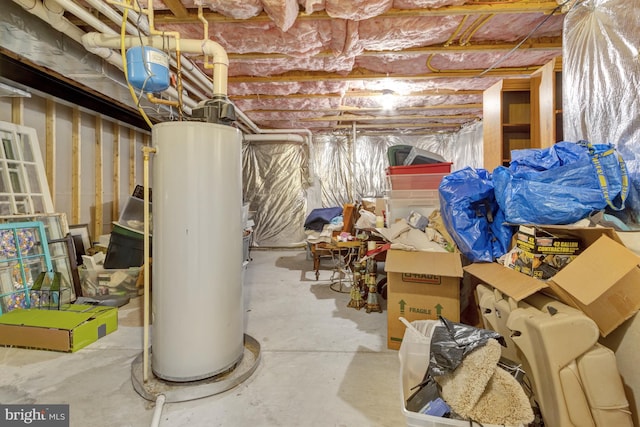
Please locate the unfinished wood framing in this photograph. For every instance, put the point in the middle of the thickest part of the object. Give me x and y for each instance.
(17, 111)
(50, 146)
(132, 163)
(99, 185)
(76, 156)
(115, 204)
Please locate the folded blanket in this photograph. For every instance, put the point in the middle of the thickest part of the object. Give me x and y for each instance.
(317, 218)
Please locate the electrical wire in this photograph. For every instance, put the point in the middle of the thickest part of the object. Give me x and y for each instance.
(124, 66)
(540, 24)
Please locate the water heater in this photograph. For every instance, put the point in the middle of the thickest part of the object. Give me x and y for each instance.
(197, 304)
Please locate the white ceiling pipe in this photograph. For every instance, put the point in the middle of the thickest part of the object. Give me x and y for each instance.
(81, 13)
(56, 20)
(208, 47)
(114, 59)
(60, 5)
(111, 14)
(53, 15)
(308, 136)
(274, 137)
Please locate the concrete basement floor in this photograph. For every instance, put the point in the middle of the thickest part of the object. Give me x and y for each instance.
(322, 363)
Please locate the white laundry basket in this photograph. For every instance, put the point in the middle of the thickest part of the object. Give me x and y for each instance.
(414, 359)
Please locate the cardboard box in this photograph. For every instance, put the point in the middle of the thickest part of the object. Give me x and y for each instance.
(603, 281)
(69, 330)
(536, 240)
(540, 266)
(421, 286)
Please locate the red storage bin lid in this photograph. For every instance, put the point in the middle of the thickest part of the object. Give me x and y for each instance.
(420, 169)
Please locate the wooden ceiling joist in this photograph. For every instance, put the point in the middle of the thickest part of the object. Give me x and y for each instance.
(360, 94)
(479, 8)
(554, 44)
(373, 109)
(357, 118)
(362, 74)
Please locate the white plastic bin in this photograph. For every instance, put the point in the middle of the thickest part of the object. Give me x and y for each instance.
(397, 208)
(414, 359)
(132, 216)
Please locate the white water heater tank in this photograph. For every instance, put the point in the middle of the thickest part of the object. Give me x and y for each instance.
(197, 304)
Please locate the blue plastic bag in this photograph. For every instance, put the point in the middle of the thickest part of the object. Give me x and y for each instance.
(472, 216)
(560, 184)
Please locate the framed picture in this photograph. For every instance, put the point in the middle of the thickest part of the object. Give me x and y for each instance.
(81, 240)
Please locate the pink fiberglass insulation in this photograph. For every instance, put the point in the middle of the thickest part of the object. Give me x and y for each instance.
(237, 9)
(282, 12)
(311, 6)
(270, 103)
(395, 33)
(272, 67)
(511, 27)
(417, 64)
(305, 38)
(424, 4)
(402, 87)
(288, 88)
(357, 10)
(413, 101)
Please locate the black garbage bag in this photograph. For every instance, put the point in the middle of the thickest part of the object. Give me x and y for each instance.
(452, 341)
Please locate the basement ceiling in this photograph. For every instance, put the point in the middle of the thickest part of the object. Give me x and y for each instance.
(409, 66)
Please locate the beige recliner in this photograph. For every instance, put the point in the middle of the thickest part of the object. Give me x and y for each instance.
(575, 380)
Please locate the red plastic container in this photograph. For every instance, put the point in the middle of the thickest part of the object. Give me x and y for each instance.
(420, 169)
(423, 181)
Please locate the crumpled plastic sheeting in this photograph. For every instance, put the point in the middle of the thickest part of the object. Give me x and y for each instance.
(276, 179)
(601, 76)
(341, 184)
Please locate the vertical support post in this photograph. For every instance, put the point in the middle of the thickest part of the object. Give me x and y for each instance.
(76, 157)
(50, 144)
(99, 184)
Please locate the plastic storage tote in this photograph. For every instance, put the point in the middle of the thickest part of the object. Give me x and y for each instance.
(414, 358)
(426, 181)
(419, 169)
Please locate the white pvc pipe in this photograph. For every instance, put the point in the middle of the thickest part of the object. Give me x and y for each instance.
(208, 47)
(157, 412)
(56, 20)
(112, 15)
(52, 13)
(81, 13)
(308, 137)
(84, 15)
(274, 137)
